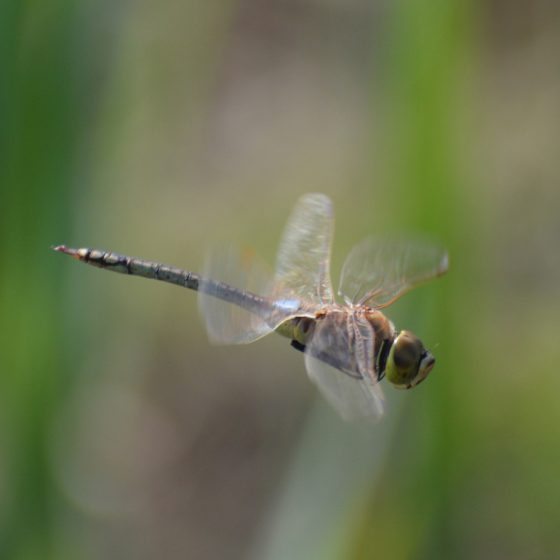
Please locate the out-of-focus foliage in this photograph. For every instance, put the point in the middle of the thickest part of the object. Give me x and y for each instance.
(158, 129)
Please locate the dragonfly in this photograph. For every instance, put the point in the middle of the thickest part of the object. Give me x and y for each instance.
(349, 345)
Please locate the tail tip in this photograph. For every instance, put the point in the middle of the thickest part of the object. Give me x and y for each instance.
(66, 250)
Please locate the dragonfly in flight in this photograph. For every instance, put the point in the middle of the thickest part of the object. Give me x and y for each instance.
(348, 346)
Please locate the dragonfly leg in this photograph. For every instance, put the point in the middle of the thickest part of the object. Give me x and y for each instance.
(298, 345)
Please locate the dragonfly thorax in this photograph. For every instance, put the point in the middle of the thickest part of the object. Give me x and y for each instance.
(336, 348)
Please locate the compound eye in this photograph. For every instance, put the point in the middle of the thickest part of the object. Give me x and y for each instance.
(408, 352)
(408, 362)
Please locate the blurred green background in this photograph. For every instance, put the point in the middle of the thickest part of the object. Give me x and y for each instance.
(157, 129)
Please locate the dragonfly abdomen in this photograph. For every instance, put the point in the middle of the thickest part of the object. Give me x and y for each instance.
(133, 266)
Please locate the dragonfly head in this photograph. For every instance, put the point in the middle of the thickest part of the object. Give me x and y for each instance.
(408, 363)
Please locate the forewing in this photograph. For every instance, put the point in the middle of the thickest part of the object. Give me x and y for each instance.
(378, 271)
(227, 323)
(302, 267)
(340, 360)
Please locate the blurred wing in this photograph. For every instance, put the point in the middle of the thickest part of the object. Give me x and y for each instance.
(302, 267)
(377, 271)
(353, 399)
(340, 360)
(227, 323)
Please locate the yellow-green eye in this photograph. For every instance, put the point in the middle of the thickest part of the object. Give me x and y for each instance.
(408, 362)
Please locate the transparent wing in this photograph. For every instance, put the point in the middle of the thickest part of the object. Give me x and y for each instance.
(227, 323)
(302, 266)
(378, 271)
(353, 399)
(340, 360)
(301, 283)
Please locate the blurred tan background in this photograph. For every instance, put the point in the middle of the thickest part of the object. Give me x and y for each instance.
(160, 129)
